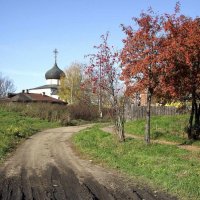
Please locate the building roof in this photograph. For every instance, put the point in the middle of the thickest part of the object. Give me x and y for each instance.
(32, 97)
(54, 73)
(50, 86)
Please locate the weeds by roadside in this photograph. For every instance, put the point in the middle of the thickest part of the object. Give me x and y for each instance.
(159, 165)
(65, 115)
(15, 127)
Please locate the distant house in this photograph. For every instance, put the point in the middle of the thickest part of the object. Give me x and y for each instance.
(140, 99)
(53, 81)
(26, 97)
(143, 98)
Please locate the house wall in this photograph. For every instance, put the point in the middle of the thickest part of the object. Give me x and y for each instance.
(143, 99)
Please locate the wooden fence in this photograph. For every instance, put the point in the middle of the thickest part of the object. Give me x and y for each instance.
(133, 112)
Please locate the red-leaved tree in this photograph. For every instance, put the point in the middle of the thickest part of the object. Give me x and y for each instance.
(180, 58)
(102, 74)
(139, 57)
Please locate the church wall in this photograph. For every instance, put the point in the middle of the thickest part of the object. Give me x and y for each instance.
(53, 81)
(42, 91)
(55, 96)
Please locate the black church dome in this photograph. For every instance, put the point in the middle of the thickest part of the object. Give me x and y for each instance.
(54, 73)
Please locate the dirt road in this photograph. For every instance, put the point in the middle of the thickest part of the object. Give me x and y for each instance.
(45, 167)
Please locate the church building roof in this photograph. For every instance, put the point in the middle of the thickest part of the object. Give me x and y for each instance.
(55, 72)
(49, 86)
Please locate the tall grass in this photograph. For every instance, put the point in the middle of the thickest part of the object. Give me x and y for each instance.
(74, 114)
(44, 111)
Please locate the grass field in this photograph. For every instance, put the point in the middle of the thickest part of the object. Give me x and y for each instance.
(14, 128)
(170, 128)
(161, 166)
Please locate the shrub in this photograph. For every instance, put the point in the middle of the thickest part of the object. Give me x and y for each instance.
(22, 131)
(64, 114)
(44, 111)
(83, 111)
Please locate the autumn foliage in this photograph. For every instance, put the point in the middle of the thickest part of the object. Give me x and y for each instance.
(102, 74)
(180, 58)
(162, 57)
(140, 61)
(140, 53)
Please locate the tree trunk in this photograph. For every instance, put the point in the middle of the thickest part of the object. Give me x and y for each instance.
(189, 130)
(198, 115)
(148, 117)
(100, 105)
(119, 124)
(196, 108)
(119, 119)
(100, 93)
(196, 128)
(120, 128)
(193, 130)
(71, 94)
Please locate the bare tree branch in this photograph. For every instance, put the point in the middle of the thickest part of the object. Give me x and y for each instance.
(6, 86)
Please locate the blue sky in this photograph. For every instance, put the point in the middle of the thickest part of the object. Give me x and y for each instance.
(31, 29)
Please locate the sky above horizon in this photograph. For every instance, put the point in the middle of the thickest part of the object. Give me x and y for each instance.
(31, 30)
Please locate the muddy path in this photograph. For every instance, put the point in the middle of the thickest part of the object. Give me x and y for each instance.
(45, 167)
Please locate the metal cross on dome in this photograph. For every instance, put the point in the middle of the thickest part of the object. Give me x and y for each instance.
(55, 52)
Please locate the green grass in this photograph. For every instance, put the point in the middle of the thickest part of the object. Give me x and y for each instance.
(161, 166)
(14, 127)
(170, 128)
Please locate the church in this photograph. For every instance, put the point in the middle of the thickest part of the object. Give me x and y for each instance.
(52, 77)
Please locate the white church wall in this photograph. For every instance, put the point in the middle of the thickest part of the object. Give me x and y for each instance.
(55, 96)
(53, 81)
(46, 91)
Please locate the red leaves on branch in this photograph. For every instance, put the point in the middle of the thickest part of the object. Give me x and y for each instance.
(180, 56)
(163, 57)
(140, 53)
(140, 61)
(162, 54)
(103, 67)
(181, 65)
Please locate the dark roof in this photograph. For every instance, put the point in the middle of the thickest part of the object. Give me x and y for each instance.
(20, 97)
(54, 73)
(11, 95)
(52, 86)
(31, 97)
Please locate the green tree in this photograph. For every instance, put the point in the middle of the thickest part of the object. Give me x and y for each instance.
(70, 85)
